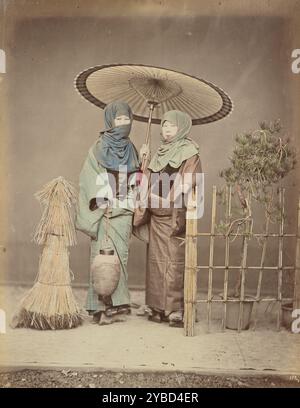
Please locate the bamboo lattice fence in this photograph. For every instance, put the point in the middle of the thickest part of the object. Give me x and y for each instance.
(191, 267)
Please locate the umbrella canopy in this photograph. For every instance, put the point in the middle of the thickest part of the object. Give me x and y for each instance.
(158, 88)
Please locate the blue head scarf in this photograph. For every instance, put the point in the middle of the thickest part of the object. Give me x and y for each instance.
(114, 148)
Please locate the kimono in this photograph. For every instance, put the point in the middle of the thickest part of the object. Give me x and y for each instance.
(90, 219)
(166, 254)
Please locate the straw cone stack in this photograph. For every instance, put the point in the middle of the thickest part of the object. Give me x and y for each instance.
(50, 304)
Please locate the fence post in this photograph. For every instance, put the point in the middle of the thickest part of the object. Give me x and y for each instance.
(280, 258)
(296, 304)
(211, 256)
(190, 271)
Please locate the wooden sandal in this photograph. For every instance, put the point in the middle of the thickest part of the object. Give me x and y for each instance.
(176, 319)
(104, 319)
(155, 317)
(96, 317)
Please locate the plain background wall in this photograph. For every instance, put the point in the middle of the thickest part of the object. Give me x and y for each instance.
(47, 128)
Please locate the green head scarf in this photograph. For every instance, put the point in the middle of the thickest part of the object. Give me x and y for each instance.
(179, 148)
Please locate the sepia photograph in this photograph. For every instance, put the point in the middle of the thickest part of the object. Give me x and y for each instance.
(150, 197)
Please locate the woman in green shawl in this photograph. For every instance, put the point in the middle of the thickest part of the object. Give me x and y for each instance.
(99, 183)
(177, 156)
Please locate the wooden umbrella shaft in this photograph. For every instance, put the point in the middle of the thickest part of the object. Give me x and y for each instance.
(151, 107)
(149, 123)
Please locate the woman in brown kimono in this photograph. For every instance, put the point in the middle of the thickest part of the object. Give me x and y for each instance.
(177, 156)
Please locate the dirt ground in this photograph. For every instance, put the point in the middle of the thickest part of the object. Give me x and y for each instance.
(139, 353)
(106, 379)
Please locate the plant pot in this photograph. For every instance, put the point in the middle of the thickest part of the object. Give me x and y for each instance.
(232, 315)
(287, 309)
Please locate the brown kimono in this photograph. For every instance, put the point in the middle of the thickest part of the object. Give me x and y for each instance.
(165, 255)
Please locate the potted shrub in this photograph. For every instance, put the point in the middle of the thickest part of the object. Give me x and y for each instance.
(260, 160)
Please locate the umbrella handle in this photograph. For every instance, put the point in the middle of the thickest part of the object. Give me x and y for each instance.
(143, 166)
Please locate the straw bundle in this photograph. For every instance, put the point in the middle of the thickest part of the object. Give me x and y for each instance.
(58, 198)
(50, 304)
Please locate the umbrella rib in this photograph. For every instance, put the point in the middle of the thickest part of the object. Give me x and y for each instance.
(205, 89)
(117, 94)
(168, 105)
(130, 71)
(104, 76)
(115, 97)
(140, 105)
(188, 107)
(112, 93)
(133, 100)
(108, 84)
(197, 103)
(104, 80)
(175, 105)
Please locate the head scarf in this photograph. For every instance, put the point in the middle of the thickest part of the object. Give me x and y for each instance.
(179, 148)
(114, 148)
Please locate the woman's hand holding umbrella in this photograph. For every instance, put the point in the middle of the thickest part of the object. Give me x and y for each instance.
(145, 155)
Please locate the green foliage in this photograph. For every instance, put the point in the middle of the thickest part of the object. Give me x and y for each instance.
(260, 160)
